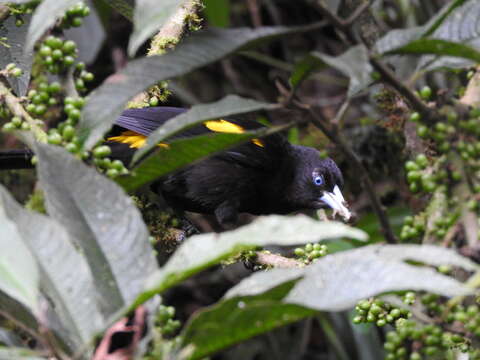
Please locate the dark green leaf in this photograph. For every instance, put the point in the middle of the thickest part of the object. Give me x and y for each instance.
(438, 20)
(438, 47)
(44, 17)
(304, 68)
(238, 319)
(217, 12)
(14, 52)
(354, 64)
(102, 221)
(338, 281)
(179, 153)
(202, 251)
(64, 274)
(123, 7)
(228, 106)
(200, 49)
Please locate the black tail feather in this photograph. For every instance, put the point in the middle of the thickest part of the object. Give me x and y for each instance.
(15, 159)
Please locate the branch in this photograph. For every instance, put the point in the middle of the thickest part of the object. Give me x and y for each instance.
(276, 261)
(334, 135)
(17, 109)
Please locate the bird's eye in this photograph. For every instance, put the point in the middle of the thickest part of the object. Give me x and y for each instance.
(318, 180)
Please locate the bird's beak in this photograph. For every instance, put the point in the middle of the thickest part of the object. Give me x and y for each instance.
(336, 201)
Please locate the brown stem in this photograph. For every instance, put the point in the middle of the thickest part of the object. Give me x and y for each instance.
(276, 261)
(335, 136)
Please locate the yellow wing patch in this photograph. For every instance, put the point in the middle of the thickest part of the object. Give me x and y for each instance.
(224, 126)
(133, 139)
(136, 140)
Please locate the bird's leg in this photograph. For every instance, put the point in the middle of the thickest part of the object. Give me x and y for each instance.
(227, 214)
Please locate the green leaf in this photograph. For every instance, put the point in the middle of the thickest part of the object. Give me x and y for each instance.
(238, 319)
(438, 47)
(217, 12)
(354, 64)
(123, 7)
(18, 271)
(180, 153)
(438, 20)
(202, 251)
(11, 353)
(304, 68)
(44, 17)
(149, 17)
(101, 220)
(228, 106)
(14, 52)
(65, 277)
(204, 47)
(19, 276)
(338, 281)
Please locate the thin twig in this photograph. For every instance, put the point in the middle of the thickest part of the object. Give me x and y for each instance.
(334, 135)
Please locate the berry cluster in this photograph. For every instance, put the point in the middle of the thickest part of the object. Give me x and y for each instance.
(18, 10)
(413, 228)
(12, 70)
(103, 162)
(379, 312)
(74, 16)
(16, 123)
(57, 54)
(164, 320)
(42, 97)
(418, 175)
(311, 252)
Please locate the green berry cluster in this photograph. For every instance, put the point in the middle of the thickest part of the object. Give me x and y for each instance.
(57, 54)
(82, 76)
(415, 342)
(12, 70)
(18, 10)
(379, 312)
(419, 177)
(16, 123)
(311, 252)
(74, 16)
(112, 168)
(164, 320)
(44, 96)
(413, 228)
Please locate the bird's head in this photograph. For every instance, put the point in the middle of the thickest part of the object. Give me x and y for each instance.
(317, 182)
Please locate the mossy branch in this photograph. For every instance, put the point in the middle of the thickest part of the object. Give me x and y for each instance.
(15, 106)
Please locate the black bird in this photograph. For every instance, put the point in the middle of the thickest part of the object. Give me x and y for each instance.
(264, 176)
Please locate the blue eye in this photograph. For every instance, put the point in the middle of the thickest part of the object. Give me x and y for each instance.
(318, 180)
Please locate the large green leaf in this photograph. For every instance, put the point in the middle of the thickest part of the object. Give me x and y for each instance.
(438, 47)
(238, 319)
(44, 17)
(217, 12)
(102, 221)
(204, 47)
(338, 281)
(202, 251)
(228, 106)
(149, 17)
(14, 53)
(354, 64)
(179, 153)
(65, 277)
(19, 276)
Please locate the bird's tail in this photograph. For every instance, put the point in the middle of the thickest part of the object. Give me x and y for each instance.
(15, 159)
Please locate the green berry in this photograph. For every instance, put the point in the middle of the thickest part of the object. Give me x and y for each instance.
(77, 21)
(16, 121)
(413, 176)
(80, 66)
(102, 151)
(40, 109)
(54, 139)
(68, 60)
(71, 147)
(68, 132)
(421, 160)
(69, 47)
(426, 92)
(57, 54)
(415, 117)
(17, 72)
(10, 66)
(79, 84)
(25, 126)
(111, 173)
(8, 127)
(297, 251)
(45, 50)
(88, 76)
(48, 60)
(411, 165)
(53, 42)
(422, 131)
